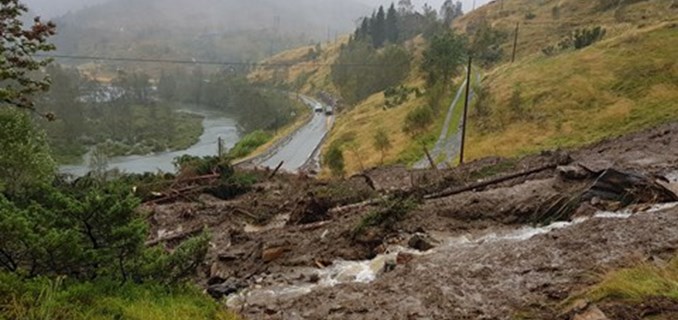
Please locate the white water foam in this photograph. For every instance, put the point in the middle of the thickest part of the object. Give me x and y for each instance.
(368, 271)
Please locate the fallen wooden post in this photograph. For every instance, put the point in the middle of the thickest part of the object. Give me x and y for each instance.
(276, 170)
(430, 159)
(487, 183)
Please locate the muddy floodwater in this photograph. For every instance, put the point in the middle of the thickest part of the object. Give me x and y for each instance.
(216, 126)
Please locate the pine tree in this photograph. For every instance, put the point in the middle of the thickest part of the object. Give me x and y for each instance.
(392, 31)
(379, 28)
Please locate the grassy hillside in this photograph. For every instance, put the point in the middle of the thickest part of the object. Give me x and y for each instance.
(625, 82)
(617, 86)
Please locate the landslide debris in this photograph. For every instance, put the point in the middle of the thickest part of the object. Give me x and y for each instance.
(490, 239)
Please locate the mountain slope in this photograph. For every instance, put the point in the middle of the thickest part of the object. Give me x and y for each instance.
(566, 98)
(626, 82)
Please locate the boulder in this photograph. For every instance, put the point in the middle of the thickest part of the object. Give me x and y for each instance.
(422, 242)
(573, 172)
(226, 288)
(592, 313)
(272, 254)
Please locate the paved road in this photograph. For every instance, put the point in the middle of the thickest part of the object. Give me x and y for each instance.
(302, 145)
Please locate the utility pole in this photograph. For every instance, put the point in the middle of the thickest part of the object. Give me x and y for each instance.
(515, 42)
(464, 118)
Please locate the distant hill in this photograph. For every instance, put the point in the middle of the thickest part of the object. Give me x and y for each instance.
(203, 29)
(548, 98)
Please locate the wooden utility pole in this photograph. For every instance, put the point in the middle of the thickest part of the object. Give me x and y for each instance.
(220, 147)
(464, 118)
(515, 42)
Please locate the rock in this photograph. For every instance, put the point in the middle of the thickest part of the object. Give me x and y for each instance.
(592, 313)
(272, 254)
(422, 242)
(229, 287)
(404, 258)
(584, 210)
(314, 278)
(573, 172)
(576, 307)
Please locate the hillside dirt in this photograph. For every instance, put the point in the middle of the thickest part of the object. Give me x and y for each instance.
(398, 244)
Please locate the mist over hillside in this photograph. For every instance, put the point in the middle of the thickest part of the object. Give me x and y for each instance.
(467, 4)
(203, 29)
(56, 8)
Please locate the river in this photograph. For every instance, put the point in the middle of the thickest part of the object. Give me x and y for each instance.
(216, 126)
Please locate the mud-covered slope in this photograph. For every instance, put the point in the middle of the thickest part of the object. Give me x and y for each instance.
(503, 246)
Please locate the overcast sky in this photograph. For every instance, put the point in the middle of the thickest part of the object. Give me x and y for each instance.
(54, 8)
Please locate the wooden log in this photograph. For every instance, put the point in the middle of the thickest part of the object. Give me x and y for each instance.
(276, 170)
(484, 184)
(430, 159)
(356, 205)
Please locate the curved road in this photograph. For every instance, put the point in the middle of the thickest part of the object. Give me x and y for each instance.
(303, 144)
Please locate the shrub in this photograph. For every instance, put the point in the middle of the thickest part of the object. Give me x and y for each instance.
(335, 159)
(86, 234)
(249, 143)
(530, 16)
(585, 37)
(392, 211)
(418, 120)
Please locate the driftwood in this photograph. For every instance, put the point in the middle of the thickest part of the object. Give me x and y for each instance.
(178, 236)
(484, 184)
(359, 205)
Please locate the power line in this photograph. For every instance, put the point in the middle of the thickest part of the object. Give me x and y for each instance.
(204, 62)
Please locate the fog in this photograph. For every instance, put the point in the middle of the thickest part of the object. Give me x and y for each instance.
(55, 8)
(467, 4)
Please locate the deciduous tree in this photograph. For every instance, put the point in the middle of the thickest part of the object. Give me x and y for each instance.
(19, 70)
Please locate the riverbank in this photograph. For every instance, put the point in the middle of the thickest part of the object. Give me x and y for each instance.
(134, 130)
(303, 116)
(214, 126)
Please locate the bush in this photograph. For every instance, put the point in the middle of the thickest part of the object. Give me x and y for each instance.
(392, 211)
(249, 143)
(335, 159)
(530, 16)
(585, 37)
(187, 164)
(396, 96)
(418, 120)
(86, 234)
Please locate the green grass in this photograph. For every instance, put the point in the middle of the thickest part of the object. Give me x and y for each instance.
(614, 87)
(494, 170)
(249, 143)
(41, 298)
(638, 283)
